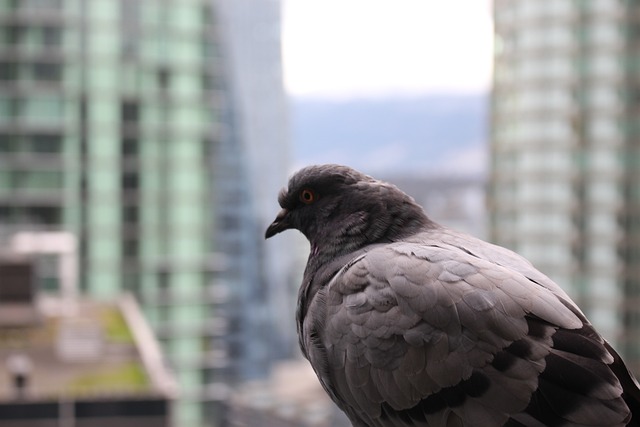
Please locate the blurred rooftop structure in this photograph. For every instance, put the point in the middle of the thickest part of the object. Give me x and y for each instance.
(92, 363)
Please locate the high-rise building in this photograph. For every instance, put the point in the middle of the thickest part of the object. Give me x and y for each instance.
(107, 123)
(566, 152)
(254, 132)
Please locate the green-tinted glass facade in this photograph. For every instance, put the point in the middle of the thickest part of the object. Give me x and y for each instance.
(565, 152)
(107, 118)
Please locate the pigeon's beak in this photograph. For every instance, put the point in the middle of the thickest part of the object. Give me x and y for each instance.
(281, 223)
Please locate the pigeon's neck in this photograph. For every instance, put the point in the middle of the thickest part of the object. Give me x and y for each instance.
(334, 245)
(316, 276)
(366, 228)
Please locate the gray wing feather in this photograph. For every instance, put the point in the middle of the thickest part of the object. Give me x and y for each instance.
(407, 320)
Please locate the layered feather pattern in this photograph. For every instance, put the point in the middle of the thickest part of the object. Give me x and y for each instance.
(413, 324)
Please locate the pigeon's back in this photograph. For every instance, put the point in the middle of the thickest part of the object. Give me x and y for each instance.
(442, 329)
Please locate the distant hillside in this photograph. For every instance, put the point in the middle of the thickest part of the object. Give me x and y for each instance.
(422, 135)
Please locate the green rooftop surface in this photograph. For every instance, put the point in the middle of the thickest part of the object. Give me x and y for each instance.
(90, 352)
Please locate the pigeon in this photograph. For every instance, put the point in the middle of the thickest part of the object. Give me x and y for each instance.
(409, 323)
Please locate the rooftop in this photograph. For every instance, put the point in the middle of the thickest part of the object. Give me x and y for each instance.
(81, 349)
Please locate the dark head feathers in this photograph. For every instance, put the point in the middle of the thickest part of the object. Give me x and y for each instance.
(340, 209)
(329, 177)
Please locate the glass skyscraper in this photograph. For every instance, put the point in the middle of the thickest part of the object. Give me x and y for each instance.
(108, 113)
(257, 134)
(566, 152)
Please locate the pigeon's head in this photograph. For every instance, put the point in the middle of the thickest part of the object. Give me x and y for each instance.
(340, 209)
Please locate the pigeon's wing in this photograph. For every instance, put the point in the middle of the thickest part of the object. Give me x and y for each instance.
(496, 254)
(410, 334)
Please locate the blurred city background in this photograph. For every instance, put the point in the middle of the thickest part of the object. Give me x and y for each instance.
(143, 144)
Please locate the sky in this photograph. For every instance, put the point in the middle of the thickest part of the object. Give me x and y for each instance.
(364, 48)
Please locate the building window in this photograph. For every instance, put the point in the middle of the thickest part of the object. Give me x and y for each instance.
(47, 72)
(8, 71)
(130, 112)
(44, 108)
(208, 49)
(6, 181)
(230, 222)
(208, 82)
(9, 107)
(14, 34)
(6, 214)
(46, 215)
(163, 78)
(51, 36)
(39, 179)
(130, 180)
(130, 214)
(7, 143)
(46, 144)
(130, 147)
(130, 248)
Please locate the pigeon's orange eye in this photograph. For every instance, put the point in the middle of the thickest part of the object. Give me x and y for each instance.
(307, 196)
